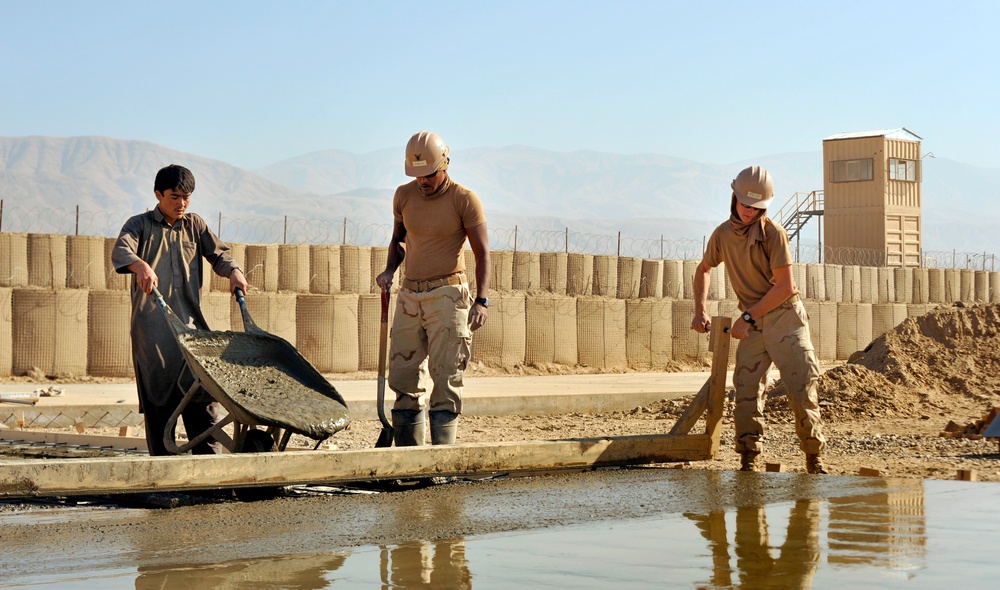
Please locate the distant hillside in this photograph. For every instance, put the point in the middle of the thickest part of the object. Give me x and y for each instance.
(643, 196)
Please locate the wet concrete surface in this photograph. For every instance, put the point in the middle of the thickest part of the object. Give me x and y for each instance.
(266, 381)
(649, 527)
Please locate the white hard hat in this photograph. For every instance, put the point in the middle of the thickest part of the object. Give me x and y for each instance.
(426, 153)
(753, 187)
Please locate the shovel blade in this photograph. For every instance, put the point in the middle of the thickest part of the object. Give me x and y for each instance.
(384, 438)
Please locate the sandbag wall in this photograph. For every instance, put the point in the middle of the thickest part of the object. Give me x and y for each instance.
(63, 308)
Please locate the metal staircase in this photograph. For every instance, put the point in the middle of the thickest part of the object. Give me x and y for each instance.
(798, 210)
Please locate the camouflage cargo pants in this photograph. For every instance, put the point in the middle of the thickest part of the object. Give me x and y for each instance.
(781, 337)
(432, 326)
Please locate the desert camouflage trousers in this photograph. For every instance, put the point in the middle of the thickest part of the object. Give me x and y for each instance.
(781, 337)
(430, 339)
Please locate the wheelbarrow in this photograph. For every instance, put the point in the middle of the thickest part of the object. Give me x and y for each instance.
(260, 379)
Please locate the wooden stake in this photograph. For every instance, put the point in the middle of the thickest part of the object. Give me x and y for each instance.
(717, 382)
(774, 468)
(869, 472)
(967, 475)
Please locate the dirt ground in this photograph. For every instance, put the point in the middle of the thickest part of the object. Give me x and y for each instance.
(884, 409)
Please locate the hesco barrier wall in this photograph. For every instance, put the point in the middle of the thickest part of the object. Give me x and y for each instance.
(63, 308)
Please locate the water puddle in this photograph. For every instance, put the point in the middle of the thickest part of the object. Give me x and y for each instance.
(912, 533)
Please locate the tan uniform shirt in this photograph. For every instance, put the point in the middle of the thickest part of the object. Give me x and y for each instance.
(176, 254)
(435, 227)
(749, 269)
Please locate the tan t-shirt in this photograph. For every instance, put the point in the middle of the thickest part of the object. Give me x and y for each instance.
(435, 227)
(749, 270)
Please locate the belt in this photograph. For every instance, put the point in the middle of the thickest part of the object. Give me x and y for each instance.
(431, 284)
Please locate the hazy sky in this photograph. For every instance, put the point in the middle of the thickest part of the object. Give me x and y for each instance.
(253, 83)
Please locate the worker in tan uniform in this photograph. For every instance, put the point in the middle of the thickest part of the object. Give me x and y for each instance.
(773, 327)
(436, 313)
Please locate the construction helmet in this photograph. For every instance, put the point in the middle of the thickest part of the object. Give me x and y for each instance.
(426, 153)
(753, 187)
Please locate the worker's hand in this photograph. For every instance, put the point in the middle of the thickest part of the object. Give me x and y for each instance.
(384, 280)
(701, 323)
(145, 278)
(238, 281)
(477, 316)
(740, 329)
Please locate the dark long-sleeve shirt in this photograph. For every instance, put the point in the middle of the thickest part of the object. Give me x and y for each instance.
(176, 254)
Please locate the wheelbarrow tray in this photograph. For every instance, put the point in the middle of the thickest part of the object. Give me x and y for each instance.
(262, 379)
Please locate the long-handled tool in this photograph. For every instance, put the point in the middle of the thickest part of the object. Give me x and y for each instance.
(384, 437)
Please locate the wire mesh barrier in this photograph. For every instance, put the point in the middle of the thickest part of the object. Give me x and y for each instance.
(264, 229)
(48, 328)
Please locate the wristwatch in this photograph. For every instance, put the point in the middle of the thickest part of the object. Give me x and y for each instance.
(484, 301)
(748, 318)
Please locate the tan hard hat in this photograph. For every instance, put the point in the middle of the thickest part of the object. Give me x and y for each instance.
(753, 187)
(426, 153)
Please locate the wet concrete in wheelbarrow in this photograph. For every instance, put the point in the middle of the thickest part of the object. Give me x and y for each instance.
(262, 379)
(641, 527)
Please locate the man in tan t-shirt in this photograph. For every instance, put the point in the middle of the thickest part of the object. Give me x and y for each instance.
(435, 311)
(773, 327)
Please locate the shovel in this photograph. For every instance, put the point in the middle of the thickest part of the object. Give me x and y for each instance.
(384, 437)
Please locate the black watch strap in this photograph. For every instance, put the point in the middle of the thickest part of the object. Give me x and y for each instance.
(748, 318)
(484, 301)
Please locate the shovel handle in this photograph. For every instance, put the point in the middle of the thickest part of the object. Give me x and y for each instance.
(385, 306)
(383, 342)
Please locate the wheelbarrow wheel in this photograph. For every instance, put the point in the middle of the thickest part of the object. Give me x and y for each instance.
(257, 441)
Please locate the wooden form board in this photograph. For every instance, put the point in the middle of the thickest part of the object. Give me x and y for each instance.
(61, 438)
(67, 477)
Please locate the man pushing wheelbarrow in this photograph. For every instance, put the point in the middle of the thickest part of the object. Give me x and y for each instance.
(165, 248)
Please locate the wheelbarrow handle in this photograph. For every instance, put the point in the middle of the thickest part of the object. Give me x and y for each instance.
(175, 322)
(248, 324)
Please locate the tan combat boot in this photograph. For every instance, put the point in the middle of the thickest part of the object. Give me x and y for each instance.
(814, 464)
(748, 460)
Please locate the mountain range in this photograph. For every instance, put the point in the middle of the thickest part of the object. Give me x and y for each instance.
(541, 192)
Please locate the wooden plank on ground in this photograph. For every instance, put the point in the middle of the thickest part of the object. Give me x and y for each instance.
(65, 438)
(67, 477)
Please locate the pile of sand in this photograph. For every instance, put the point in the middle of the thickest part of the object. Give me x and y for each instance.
(946, 358)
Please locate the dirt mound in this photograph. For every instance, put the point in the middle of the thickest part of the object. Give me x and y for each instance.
(953, 350)
(946, 359)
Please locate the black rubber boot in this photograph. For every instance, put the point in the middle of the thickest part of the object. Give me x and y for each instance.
(409, 427)
(444, 427)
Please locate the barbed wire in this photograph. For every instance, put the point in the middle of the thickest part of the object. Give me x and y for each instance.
(263, 229)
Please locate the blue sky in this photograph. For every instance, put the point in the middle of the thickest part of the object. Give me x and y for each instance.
(253, 83)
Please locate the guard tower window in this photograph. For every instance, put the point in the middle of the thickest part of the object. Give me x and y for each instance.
(903, 170)
(851, 170)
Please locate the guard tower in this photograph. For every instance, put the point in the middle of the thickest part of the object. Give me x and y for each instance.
(871, 185)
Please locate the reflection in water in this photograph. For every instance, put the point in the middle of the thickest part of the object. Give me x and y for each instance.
(875, 529)
(293, 572)
(424, 564)
(884, 529)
